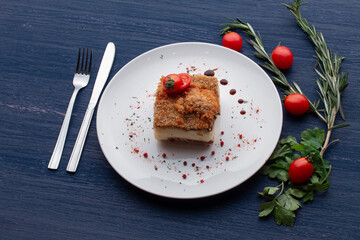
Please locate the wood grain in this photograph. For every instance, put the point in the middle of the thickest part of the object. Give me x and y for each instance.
(38, 46)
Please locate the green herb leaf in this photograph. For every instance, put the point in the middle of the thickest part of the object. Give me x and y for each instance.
(290, 140)
(280, 152)
(298, 147)
(269, 191)
(296, 192)
(288, 202)
(314, 138)
(308, 197)
(321, 187)
(275, 173)
(281, 164)
(314, 179)
(283, 216)
(266, 208)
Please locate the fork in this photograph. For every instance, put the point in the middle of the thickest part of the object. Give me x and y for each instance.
(81, 79)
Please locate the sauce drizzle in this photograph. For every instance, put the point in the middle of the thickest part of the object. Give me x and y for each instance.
(224, 82)
(209, 73)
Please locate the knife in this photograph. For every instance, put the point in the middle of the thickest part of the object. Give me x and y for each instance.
(103, 74)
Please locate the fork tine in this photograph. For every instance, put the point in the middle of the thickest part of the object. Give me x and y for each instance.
(86, 60)
(82, 61)
(78, 62)
(90, 61)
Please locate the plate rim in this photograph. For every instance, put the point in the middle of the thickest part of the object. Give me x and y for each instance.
(204, 195)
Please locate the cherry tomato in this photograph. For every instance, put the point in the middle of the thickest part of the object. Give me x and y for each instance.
(282, 57)
(296, 104)
(300, 170)
(233, 41)
(176, 83)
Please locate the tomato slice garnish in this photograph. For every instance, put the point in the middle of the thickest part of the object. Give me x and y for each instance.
(176, 83)
(186, 80)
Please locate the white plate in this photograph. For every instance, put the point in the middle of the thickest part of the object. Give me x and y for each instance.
(125, 112)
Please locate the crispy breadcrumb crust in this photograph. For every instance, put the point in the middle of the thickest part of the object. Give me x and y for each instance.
(194, 109)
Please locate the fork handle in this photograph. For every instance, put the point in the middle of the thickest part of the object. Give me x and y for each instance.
(80, 140)
(56, 155)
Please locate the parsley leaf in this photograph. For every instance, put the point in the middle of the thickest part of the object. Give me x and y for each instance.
(308, 197)
(290, 140)
(314, 138)
(269, 191)
(287, 201)
(296, 192)
(275, 173)
(283, 216)
(284, 148)
(266, 208)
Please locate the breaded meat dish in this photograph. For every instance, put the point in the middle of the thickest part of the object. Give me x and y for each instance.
(189, 115)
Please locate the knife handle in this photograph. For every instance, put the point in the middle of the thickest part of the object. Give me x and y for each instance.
(80, 140)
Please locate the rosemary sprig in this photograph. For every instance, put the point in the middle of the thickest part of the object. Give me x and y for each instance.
(331, 82)
(278, 77)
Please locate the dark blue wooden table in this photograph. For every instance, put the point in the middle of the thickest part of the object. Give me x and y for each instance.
(38, 47)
